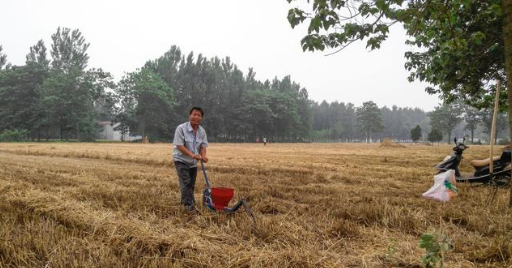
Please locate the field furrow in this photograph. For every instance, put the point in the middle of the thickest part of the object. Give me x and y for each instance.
(316, 205)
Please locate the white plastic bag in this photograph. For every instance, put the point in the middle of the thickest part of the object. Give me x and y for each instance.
(444, 187)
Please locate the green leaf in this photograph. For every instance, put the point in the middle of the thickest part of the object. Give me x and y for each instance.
(496, 10)
(426, 240)
(477, 37)
(295, 17)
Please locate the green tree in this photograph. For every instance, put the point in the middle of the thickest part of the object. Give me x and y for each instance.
(146, 104)
(349, 121)
(68, 101)
(286, 119)
(38, 70)
(435, 135)
(19, 93)
(416, 133)
(13, 85)
(69, 51)
(304, 114)
(369, 120)
(256, 102)
(71, 93)
(125, 115)
(472, 117)
(463, 44)
(232, 98)
(486, 120)
(445, 117)
(3, 58)
(38, 55)
(19, 98)
(400, 121)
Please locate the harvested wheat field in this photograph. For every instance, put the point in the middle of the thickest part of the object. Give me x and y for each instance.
(317, 205)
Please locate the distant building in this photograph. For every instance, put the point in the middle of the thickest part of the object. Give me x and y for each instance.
(107, 132)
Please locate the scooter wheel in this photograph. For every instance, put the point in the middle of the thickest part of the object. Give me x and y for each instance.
(502, 181)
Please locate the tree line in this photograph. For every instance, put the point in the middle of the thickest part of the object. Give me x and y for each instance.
(54, 97)
(57, 96)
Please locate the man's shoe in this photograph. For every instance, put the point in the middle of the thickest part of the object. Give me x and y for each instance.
(191, 210)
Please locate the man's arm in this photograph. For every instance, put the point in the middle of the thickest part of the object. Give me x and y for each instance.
(185, 151)
(203, 154)
(204, 144)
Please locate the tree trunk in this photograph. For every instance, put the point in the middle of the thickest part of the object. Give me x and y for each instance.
(449, 137)
(472, 132)
(506, 7)
(143, 128)
(77, 132)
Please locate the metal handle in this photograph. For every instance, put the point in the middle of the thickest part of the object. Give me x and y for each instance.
(205, 176)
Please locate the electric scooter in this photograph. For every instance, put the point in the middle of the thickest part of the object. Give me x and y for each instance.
(453, 161)
(501, 167)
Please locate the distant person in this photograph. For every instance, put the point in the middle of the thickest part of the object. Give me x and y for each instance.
(264, 141)
(190, 144)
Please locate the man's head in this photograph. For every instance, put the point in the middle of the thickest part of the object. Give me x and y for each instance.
(195, 116)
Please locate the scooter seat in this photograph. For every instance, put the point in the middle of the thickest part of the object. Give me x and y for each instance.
(483, 162)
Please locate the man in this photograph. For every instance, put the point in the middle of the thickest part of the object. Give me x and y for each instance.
(190, 144)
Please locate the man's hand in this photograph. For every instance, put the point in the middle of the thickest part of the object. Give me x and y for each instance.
(205, 159)
(197, 157)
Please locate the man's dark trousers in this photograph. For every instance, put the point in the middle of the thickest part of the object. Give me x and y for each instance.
(187, 177)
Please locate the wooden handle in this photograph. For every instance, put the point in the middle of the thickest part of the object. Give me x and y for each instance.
(493, 128)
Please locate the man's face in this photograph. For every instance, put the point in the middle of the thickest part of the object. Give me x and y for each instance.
(195, 117)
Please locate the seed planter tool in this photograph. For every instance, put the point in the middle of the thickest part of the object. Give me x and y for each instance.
(217, 198)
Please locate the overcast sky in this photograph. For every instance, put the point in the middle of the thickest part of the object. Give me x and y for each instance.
(125, 34)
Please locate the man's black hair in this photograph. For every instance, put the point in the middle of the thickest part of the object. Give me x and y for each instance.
(197, 109)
